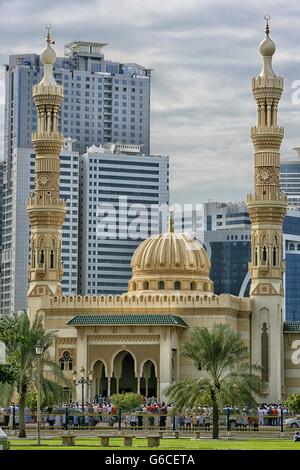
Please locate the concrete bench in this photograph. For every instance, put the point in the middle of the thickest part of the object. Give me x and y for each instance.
(153, 441)
(4, 443)
(128, 440)
(104, 440)
(68, 440)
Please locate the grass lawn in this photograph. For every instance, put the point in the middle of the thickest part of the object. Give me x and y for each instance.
(166, 444)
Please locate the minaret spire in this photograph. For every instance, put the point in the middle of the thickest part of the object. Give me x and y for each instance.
(46, 211)
(267, 208)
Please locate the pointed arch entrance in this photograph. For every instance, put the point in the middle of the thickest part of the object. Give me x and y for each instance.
(124, 373)
(100, 381)
(149, 379)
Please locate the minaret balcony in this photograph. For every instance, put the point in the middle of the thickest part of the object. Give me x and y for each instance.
(267, 138)
(47, 93)
(264, 83)
(47, 143)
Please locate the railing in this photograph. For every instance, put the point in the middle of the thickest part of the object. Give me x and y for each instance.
(142, 421)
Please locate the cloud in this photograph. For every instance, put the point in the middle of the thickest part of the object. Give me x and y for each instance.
(204, 55)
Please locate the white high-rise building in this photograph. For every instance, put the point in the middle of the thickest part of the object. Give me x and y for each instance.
(290, 180)
(121, 194)
(15, 254)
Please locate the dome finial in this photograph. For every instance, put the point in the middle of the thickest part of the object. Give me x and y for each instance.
(48, 28)
(267, 18)
(267, 49)
(171, 223)
(48, 58)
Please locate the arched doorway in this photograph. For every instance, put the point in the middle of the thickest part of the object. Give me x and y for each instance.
(124, 379)
(100, 382)
(149, 380)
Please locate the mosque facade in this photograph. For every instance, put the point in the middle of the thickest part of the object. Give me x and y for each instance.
(131, 342)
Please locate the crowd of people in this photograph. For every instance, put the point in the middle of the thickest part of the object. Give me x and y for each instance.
(151, 413)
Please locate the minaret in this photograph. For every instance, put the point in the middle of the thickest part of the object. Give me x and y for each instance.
(267, 209)
(46, 211)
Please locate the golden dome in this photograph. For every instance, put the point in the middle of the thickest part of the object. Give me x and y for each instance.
(170, 261)
(171, 251)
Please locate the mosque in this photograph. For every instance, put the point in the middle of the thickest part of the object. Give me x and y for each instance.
(131, 342)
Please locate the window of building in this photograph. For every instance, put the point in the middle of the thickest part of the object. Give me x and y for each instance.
(66, 361)
(161, 285)
(265, 353)
(177, 285)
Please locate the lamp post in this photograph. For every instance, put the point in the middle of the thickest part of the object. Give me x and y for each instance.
(82, 381)
(39, 351)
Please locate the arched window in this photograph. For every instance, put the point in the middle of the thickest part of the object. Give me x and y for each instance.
(274, 256)
(264, 255)
(265, 353)
(146, 285)
(161, 285)
(205, 287)
(51, 259)
(133, 285)
(292, 247)
(177, 285)
(66, 361)
(33, 259)
(193, 285)
(255, 257)
(298, 247)
(42, 257)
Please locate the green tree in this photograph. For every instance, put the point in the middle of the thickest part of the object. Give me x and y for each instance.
(6, 373)
(20, 338)
(126, 402)
(229, 378)
(293, 403)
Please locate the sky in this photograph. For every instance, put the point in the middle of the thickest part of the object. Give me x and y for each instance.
(203, 53)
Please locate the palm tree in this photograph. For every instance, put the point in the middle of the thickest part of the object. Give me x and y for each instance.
(229, 378)
(21, 338)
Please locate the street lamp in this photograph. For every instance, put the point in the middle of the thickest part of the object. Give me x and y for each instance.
(82, 381)
(39, 349)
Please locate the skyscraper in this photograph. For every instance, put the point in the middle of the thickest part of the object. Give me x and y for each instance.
(290, 180)
(117, 185)
(104, 101)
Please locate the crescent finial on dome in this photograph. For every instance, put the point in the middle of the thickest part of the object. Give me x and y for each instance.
(267, 49)
(48, 58)
(171, 223)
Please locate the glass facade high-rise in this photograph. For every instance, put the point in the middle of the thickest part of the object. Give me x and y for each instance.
(291, 230)
(230, 252)
(15, 254)
(1, 201)
(290, 180)
(121, 194)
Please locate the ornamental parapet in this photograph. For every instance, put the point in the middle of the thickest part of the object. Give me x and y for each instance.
(267, 82)
(47, 143)
(52, 90)
(264, 201)
(267, 138)
(46, 201)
